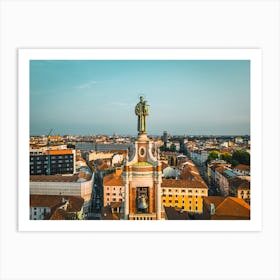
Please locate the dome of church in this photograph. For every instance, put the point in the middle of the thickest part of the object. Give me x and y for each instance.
(169, 172)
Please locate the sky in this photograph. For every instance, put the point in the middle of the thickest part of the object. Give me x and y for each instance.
(186, 97)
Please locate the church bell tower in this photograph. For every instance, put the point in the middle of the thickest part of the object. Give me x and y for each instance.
(142, 174)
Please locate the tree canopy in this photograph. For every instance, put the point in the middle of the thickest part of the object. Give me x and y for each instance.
(238, 157)
(241, 156)
(213, 155)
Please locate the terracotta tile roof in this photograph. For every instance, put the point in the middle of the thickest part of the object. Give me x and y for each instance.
(236, 182)
(172, 183)
(113, 180)
(79, 158)
(164, 165)
(53, 178)
(245, 185)
(186, 174)
(172, 214)
(220, 169)
(58, 214)
(75, 203)
(243, 167)
(50, 201)
(227, 208)
(54, 201)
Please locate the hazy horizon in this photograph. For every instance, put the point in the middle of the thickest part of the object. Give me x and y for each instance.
(98, 97)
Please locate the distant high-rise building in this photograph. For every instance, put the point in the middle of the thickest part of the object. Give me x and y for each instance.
(165, 138)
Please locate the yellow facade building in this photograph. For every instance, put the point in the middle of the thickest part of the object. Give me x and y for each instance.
(184, 194)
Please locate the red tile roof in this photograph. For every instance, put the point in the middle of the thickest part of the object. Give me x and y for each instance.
(220, 169)
(53, 178)
(59, 214)
(113, 180)
(245, 185)
(172, 183)
(228, 208)
(54, 201)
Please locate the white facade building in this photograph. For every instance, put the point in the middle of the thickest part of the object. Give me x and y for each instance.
(64, 185)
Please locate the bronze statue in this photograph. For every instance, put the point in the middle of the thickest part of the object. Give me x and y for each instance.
(142, 110)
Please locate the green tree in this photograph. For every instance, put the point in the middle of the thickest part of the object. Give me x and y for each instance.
(234, 162)
(162, 148)
(172, 147)
(241, 156)
(226, 156)
(213, 155)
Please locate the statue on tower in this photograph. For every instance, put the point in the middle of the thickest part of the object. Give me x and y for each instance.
(142, 110)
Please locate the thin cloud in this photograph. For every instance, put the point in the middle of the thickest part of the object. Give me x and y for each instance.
(120, 104)
(88, 84)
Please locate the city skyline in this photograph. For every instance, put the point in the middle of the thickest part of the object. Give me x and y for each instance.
(210, 97)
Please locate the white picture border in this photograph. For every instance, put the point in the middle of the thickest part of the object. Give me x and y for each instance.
(255, 57)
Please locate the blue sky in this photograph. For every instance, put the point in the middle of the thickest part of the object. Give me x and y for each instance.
(92, 97)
